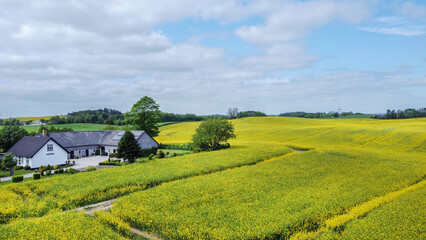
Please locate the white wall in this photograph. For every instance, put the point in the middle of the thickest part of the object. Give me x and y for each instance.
(56, 157)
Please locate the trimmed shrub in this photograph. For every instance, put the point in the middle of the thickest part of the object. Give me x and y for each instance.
(27, 167)
(71, 171)
(49, 167)
(55, 167)
(151, 156)
(113, 155)
(17, 178)
(48, 173)
(197, 150)
(17, 168)
(161, 154)
(97, 152)
(36, 176)
(56, 171)
(61, 170)
(90, 168)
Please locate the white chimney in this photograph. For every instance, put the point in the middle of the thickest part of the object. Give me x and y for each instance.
(44, 132)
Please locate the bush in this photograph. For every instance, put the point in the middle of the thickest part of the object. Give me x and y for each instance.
(48, 173)
(17, 178)
(151, 156)
(90, 168)
(56, 171)
(55, 167)
(147, 152)
(71, 171)
(61, 170)
(161, 154)
(167, 153)
(197, 150)
(97, 152)
(113, 155)
(17, 168)
(27, 167)
(175, 154)
(112, 163)
(49, 167)
(36, 176)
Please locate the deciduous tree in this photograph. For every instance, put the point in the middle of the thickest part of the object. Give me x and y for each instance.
(213, 133)
(144, 115)
(9, 162)
(10, 135)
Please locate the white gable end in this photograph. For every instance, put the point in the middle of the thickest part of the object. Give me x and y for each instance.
(51, 153)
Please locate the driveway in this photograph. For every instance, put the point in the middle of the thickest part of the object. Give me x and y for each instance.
(82, 163)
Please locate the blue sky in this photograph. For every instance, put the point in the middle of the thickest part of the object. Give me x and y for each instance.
(206, 56)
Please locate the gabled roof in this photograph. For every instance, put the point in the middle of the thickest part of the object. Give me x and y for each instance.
(29, 146)
(90, 138)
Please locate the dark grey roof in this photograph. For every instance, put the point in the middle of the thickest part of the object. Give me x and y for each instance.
(89, 138)
(29, 146)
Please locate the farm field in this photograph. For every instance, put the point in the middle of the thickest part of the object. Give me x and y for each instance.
(24, 119)
(257, 189)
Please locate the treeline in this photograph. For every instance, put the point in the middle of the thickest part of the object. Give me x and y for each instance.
(100, 116)
(244, 114)
(399, 114)
(9, 122)
(318, 114)
(173, 117)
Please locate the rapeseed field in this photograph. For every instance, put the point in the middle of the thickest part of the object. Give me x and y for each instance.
(257, 189)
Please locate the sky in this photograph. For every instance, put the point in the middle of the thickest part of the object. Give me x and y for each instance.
(206, 56)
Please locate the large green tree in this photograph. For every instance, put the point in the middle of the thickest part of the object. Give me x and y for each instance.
(9, 135)
(128, 147)
(9, 162)
(213, 133)
(144, 115)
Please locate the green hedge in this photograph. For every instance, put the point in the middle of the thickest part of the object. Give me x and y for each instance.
(175, 146)
(36, 176)
(147, 152)
(17, 178)
(113, 163)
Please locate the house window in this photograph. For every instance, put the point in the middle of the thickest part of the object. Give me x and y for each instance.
(28, 162)
(49, 147)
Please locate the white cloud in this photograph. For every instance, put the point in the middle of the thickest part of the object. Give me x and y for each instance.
(395, 26)
(287, 22)
(412, 10)
(61, 56)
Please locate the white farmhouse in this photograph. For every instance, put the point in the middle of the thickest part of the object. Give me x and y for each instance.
(87, 143)
(37, 151)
